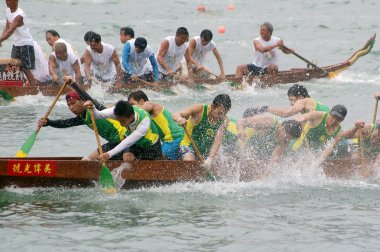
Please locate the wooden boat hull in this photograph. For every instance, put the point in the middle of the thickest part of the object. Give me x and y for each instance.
(16, 88)
(68, 172)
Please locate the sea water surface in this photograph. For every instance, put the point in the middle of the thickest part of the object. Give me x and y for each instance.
(297, 209)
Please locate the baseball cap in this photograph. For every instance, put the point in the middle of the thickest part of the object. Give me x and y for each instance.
(339, 111)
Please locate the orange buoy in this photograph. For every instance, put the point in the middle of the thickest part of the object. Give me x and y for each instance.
(201, 8)
(221, 29)
(230, 7)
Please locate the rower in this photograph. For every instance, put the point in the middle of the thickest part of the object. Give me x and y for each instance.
(321, 126)
(63, 63)
(126, 34)
(136, 54)
(52, 37)
(270, 138)
(199, 47)
(206, 124)
(141, 142)
(104, 60)
(266, 54)
(171, 53)
(300, 102)
(17, 25)
(170, 132)
(109, 129)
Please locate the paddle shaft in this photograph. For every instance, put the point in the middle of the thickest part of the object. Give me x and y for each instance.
(361, 147)
(375, 112)
(53, 104)
(302, 58)
(194, 145)
(96, 133)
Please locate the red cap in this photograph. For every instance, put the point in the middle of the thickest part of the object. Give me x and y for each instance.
(73, 95)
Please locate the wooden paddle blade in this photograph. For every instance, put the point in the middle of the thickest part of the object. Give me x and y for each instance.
(27, 146)
(106, 179)
(6, 96)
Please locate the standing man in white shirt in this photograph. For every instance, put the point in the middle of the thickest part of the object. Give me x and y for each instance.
(104, 60)
(23, 47)
(266, 54)
(199, 47)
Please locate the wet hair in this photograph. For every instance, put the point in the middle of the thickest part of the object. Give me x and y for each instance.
(249, 112)
(138, 95)
(269, 27)
(182, 31)
(60, 46)
(87, 35)
(123, 108)
(128, 31)
(141, 43)
(222, 100)
(206, 34)
(53, 33)
(94, 37)
(293, 128)
(298, 90)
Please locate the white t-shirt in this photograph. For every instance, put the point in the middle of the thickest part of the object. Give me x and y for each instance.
(265, 59)
(21, 35)
(173, 56)
(68, 46)
(41, 71)
(102, 63)
(200, 51)
(65, 67)
(137, 61)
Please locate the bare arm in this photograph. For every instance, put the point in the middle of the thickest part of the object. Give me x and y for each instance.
(10, 28)
(263, 49)
(78, 75)
(52, 67)
(298, 107)
(218, 139)
(256, 122)
(87, 65)
(116, 61)
(181, 116)
(314, 117)
(220, 62)
(161, 54)
(190, 51)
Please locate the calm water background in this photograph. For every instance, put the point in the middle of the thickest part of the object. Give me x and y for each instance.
(299, 211)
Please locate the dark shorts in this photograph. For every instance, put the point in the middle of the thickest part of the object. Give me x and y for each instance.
(152, 152)
(25, 54)
(255, 70)
(109, 146)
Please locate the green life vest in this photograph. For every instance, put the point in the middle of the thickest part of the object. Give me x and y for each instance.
(318, 136)
(203, 133)
(109, 129)
(168, 130)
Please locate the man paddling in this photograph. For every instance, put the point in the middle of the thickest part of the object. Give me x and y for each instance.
(266, 54)
(300, 102)
(141, 141)
(199, 47)
(171, 53)
(109, 129)
(269, 138)
(52, 37)
(23, 48)
(136, 54)
(103, 59)
(206, 124)
(170, 132)
(63, 63)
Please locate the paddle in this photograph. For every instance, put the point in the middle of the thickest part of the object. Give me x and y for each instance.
(27, 146)
(307, 61)
(105, 177)
(208, 172)
(361, 149)
(375, 112)
(6, 96)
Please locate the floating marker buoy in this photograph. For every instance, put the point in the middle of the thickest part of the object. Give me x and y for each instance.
(201, 8)
(230, 7)
(221, 29)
